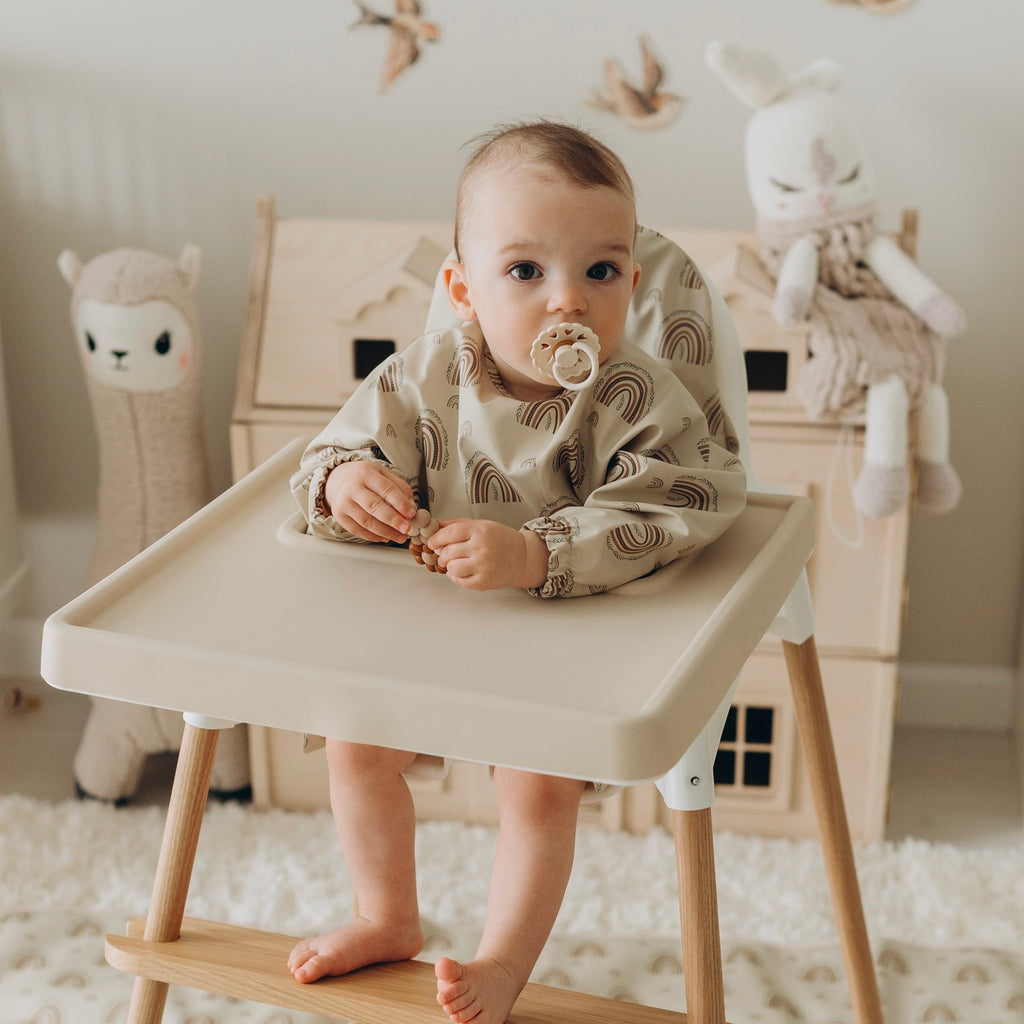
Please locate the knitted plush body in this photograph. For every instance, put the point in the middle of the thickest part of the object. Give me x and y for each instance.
(137, 328)
(878, 325)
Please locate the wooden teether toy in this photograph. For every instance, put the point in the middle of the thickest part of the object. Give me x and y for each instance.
(567, 352)
(424, 526)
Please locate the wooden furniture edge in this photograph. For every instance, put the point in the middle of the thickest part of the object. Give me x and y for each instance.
(251, 964)
(259, 275)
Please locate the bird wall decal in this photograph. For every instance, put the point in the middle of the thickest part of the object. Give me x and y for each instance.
(879, 6)
(645, 106)
(408, 30)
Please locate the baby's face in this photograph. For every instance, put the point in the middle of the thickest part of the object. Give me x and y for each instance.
(536, 251)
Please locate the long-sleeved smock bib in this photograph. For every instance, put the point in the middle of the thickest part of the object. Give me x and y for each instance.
(619, 479)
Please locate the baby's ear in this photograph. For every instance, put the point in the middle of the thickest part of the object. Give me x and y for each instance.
(457, 286)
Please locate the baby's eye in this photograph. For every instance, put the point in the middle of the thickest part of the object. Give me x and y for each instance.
(524, 271)
(603, 271)
(783, 187)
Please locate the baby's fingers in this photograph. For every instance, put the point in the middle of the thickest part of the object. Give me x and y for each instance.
(396, 492)
(381, 515)
(371, 501)
(450, 531)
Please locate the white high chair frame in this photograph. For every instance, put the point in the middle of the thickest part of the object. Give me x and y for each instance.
(237, 616)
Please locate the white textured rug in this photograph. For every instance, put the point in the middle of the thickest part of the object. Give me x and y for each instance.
(947, 925)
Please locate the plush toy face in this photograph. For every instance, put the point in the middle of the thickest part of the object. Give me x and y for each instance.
(806, 159)
(145, 347)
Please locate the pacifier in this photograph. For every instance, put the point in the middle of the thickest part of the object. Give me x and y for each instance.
(567, 352)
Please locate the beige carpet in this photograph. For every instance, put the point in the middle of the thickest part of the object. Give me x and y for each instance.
(947, 925)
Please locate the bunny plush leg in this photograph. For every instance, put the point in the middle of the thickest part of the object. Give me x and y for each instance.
(938, 485)
(883, 486)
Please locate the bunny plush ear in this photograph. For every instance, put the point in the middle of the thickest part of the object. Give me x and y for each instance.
(754, 76)
(188, 265)
(70, 267)
(757, 79)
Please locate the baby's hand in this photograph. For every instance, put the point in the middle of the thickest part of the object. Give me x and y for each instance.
(480, 554)
(370, 501)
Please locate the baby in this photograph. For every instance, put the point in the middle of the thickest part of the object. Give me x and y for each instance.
(562, 477)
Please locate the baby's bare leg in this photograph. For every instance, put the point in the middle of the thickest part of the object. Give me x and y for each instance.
(375, 821)
(536, 842)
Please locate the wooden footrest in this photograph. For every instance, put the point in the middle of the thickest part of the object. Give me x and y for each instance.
(251, 964)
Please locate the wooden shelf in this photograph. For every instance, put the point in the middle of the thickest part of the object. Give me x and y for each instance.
(250, 964)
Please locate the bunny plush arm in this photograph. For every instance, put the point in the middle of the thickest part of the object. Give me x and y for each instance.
(905, 279)
(797, 277)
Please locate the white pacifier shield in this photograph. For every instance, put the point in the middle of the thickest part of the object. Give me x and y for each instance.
(567, 351)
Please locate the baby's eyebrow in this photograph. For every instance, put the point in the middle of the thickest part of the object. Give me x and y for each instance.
(611, 248)
(618, 247)
(516, 247)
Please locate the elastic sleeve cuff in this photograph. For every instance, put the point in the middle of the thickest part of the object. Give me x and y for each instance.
(555, 534)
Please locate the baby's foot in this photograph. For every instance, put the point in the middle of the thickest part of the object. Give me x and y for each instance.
(357, 944)
(482, 991)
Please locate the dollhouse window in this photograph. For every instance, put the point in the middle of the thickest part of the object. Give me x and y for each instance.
(766, 370)
(368, 354)
(747, 752)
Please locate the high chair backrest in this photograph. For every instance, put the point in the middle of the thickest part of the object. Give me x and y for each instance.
(678, 317)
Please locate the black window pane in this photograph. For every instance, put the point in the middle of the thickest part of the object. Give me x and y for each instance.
(725, 768)
(757, 768)
(759, 725)
(729, 732)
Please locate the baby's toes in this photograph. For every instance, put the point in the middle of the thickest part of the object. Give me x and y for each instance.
(454, 1003)
(453, 996)
(299, 955)
(468, 1014)
(465, 1011)
(449, 973)
(311, 968)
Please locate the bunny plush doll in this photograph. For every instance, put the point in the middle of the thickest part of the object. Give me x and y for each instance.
(878, 324)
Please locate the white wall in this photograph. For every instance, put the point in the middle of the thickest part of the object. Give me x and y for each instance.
(14, 564)
(153, 125)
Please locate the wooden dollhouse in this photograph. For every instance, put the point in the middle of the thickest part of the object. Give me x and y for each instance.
(329, 299)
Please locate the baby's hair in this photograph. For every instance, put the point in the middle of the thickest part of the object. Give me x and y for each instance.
(572, 153)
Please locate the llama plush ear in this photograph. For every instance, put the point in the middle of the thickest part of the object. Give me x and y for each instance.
(754, 76)
(188, 265)
(70, 267)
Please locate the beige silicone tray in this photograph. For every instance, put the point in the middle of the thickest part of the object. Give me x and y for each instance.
(237, 614)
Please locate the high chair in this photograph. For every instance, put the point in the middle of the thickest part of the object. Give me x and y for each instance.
(239, 616)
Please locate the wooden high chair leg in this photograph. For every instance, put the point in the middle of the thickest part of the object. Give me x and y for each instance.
(698, 915)
(823, 773)
(174, 867)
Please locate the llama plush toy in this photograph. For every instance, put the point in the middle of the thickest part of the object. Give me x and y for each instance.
(136, 324)
(878, 325)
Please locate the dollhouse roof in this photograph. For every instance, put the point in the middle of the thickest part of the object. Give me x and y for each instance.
(413, 268)
(740, 273)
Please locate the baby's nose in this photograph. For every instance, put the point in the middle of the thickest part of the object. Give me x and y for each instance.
(567, 297)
